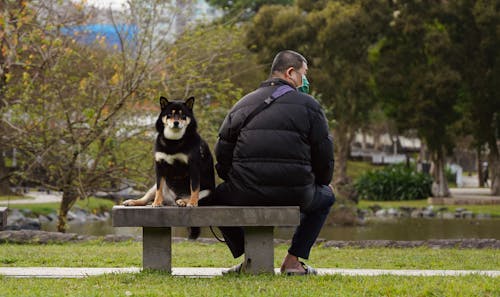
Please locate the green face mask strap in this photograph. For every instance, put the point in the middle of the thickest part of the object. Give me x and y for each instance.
(304, 88)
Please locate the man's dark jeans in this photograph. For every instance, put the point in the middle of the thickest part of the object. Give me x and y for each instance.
(312, 218)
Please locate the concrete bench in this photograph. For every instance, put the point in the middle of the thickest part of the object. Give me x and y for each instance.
(258, 223)
(3, 217)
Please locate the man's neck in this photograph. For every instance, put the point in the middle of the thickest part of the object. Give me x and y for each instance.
(282, 78)
(279, 75)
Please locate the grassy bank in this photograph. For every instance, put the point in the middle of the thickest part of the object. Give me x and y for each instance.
(493, 210)
(357, 168)
(93, 205)
(189, 254)
(96, 205)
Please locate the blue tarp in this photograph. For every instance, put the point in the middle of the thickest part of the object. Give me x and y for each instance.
(88, 34)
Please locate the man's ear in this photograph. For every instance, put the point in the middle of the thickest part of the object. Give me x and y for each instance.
(190, 102)
(163, 102)
(288, 72)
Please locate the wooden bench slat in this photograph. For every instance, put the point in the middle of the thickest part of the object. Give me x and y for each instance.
(172, 216)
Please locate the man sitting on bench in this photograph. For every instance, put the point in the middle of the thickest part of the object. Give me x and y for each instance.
(274, 149)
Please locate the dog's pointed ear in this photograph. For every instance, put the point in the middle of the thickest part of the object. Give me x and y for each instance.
(163, 102)
(190, 102)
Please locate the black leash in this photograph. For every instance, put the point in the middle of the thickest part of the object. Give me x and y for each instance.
(215, 235)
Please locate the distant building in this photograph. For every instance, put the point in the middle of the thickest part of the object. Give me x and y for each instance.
(384, 148)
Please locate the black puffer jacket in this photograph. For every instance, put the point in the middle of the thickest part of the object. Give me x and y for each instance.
(282, 152)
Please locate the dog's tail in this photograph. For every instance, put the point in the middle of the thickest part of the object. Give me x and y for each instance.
(194, 232)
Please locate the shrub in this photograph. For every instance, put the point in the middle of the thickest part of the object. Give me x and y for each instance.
(395, 182)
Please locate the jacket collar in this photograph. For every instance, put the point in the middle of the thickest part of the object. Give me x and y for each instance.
(275, 81)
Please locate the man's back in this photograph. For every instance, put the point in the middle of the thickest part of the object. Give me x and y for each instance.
(281, 153)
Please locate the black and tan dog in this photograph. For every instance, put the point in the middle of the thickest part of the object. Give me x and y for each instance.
(184, 164)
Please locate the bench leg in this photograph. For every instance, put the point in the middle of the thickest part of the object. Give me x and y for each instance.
(157, 248)
(259, 250)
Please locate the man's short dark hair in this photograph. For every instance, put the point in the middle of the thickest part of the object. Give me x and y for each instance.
(286, 59)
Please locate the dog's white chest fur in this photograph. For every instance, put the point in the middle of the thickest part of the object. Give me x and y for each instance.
(170, 159)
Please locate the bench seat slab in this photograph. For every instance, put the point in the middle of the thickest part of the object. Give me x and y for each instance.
(172, 216)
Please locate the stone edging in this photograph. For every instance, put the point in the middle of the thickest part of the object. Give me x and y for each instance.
(44, 237)
(470, 243)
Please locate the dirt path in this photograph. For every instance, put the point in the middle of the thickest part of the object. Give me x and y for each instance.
(35, 198)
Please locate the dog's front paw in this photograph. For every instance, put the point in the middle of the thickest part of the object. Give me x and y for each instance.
(181, 203)
(192, 204)
(155, 204)
(130, 202)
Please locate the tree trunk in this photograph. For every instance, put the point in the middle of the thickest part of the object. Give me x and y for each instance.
(342, 143)
(342, 183)
(440, 184)
(68, 200)
(494, 165)
(4, 173)
(495, 178)
(479, 167)
(4, 180)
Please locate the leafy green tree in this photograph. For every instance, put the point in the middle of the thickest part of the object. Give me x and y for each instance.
(84, 121)
(345, 34)
(206, 62)
(244, 9)
(336, 36)
(416, 81)
(18, 31)
(67, 119)
(473, 27)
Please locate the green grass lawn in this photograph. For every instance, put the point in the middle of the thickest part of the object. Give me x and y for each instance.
(158, 284)
(189, 254)
(196, 254)
(357, 168)
(96, 205)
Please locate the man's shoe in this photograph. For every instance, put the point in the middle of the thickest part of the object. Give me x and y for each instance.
(308, 270)
(237, 269)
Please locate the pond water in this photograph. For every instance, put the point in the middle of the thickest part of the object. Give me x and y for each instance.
(383, 229)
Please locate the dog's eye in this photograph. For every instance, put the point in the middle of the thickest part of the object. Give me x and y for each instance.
(169, 116)
(183, 117)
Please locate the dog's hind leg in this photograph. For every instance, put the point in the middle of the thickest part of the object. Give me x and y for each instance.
(149, 196)
(190, 201)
